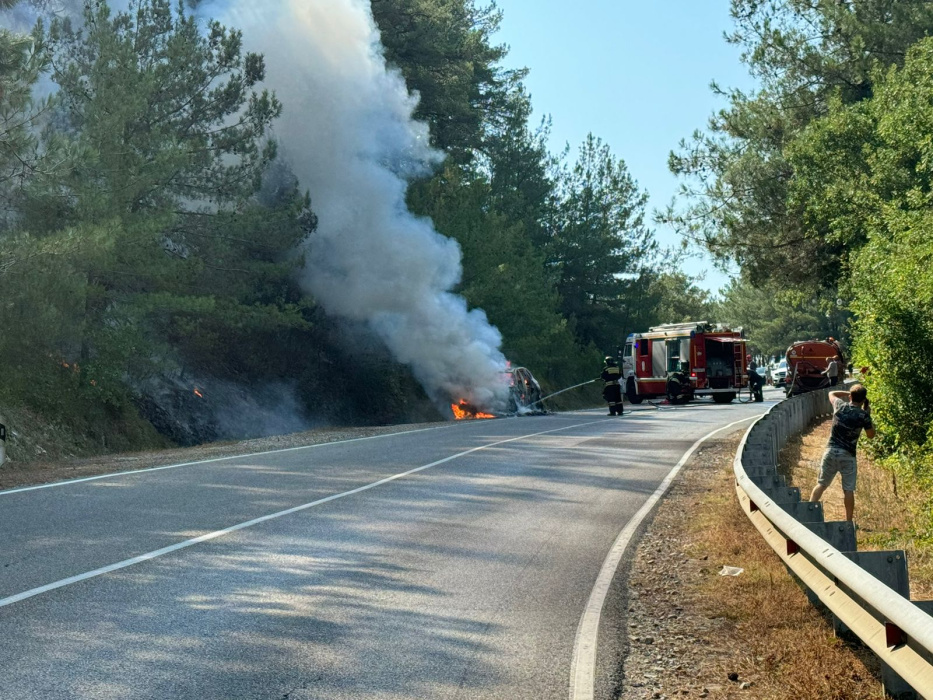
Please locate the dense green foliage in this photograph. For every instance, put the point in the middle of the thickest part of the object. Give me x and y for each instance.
(138, 250)
(807, 54)
(601, 233)
(878, 153)
(819, 187)
(444, 50)
(152, 235)
(774, 316)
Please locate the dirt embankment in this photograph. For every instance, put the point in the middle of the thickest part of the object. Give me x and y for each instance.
(694, 633)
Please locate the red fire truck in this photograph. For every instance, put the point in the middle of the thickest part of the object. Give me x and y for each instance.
(680, 361)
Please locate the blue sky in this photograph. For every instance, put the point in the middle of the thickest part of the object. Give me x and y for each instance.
(634, 72)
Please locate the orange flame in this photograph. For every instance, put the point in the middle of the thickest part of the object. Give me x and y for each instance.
(464, 411)
(197, 392)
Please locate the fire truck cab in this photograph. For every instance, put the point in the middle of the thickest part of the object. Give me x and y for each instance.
(680, 361)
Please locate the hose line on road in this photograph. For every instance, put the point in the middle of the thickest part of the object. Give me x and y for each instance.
(575, 386)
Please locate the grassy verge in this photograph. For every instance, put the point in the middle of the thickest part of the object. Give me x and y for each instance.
(890, 513)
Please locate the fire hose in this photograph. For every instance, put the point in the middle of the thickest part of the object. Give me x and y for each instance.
(575, 386)
(657, 404)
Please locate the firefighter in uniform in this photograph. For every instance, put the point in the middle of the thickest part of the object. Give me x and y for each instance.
(755, 381)
(612, 388)
(677, 387)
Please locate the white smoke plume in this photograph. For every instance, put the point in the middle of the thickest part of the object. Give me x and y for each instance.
(22, 16)
(348, 133)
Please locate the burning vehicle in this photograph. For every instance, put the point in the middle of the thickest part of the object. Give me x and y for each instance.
(524, 392)
(464, 410)
(524, 398)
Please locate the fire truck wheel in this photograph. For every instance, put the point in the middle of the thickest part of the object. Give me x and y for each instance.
(631, 393)
(723, 398)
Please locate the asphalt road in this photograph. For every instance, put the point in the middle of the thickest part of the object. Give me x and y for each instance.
(464, 579)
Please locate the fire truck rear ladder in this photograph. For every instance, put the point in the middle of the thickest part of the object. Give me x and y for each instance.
(738, 355)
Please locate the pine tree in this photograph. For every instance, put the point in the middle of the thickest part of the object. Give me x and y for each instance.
(738, 180)
(445, 52)
(601, 246)
(168, 134)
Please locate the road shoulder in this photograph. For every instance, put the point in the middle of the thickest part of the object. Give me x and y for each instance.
(690, 632)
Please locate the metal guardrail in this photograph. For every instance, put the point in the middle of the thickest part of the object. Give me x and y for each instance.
(866, 592)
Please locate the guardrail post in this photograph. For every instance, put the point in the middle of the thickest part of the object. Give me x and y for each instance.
(838, 533)
(769, 481)
(761, 471)
(782, 495)
(889, 567)
(805, 511)
(894, 686)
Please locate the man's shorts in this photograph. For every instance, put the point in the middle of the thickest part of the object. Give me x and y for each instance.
(842, 461)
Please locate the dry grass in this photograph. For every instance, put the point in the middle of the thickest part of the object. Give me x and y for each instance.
(759, 625)
(783, 634)
(887, 512)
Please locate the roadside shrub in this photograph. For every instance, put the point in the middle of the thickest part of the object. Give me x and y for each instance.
(893, 285)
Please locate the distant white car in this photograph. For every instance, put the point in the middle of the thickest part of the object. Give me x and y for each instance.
(779, 374)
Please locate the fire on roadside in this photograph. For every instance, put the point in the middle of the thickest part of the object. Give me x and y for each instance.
(464, 411)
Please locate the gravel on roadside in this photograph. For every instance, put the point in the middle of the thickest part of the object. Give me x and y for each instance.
(672, 644)
(692, 633)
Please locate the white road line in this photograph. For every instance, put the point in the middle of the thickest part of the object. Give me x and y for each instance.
(256, 521)
(583, 665)
(112, 475)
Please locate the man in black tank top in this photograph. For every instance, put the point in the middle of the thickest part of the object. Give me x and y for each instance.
(851, 414)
